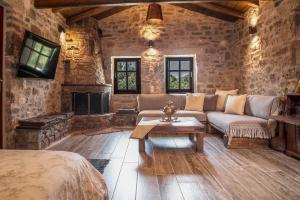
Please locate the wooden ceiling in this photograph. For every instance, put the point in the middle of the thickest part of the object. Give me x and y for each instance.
(76, 10)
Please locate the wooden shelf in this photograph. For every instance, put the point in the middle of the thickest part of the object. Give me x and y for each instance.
(288, 119)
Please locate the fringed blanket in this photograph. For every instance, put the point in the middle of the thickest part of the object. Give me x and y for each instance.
(248, 129)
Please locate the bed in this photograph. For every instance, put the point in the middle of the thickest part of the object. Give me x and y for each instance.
(49, 175)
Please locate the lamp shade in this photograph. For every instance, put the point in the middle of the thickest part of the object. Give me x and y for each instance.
(154, 14)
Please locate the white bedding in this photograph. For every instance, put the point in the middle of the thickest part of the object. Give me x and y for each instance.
(48, 175)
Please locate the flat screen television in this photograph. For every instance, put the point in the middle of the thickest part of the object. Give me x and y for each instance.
(38, 57)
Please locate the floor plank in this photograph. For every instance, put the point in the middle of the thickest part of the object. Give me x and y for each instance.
(126, 185)
(192, 191)
(171, 169)
(147, 185)
(111, 174)
(169, 188)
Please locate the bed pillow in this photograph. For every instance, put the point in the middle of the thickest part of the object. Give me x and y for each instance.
(222, 94)
(195, 102)
(210, 102)
(235, 104)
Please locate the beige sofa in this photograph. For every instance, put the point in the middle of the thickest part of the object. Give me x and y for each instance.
(150, 105)
(253, 128)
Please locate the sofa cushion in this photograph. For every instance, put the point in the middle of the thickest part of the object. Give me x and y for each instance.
(180, 113)
(259, 106)
(210, 103)
(194, 102)
(240, 125)
(158, 101)
(201, 116)
(222, 94)
(235, 104)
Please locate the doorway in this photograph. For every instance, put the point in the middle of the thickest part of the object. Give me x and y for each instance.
(1, 73)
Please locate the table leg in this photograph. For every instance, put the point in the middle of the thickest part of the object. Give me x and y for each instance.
(199, 142)
(142, 145)
(191, 136)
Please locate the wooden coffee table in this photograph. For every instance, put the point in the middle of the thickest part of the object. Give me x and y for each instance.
(185, 125)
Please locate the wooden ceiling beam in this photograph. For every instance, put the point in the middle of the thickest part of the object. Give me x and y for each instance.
(111, 12)
(91, 3)
(56, 10)
(252, 3)
(208, 12)
(222, 9)
(86, 14)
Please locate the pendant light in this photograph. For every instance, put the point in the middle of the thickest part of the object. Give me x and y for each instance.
(154, 14)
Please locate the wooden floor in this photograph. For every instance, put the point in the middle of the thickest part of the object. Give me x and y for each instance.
(170, 169)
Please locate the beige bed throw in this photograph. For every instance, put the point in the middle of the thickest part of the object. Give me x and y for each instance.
(49, 175)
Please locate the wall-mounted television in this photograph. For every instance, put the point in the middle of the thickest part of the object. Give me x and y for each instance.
(38, 57)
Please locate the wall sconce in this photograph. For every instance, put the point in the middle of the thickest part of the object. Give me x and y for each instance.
(150, 44)
(252, 20)
(61, 29)
(252, 29)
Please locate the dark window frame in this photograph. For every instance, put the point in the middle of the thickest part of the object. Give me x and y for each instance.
(137, 71)
(179, 59)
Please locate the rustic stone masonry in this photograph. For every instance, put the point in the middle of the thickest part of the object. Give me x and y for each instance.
(83, 122)
(270, 57)
(40, 132)
(128, 120)
(123, 101)
(26, 98)
(183, 33)
(83, 53)
(84, 72)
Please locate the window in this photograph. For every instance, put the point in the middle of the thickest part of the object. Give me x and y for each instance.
(127, 76)
(179, 75)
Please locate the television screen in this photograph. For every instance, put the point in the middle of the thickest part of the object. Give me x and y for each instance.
(38, 58)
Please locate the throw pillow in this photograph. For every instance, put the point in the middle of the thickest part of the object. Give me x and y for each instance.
(222, 94)
(210, 103)
(235, 104)
(195, 102)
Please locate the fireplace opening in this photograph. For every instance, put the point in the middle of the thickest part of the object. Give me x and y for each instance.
(90, 103)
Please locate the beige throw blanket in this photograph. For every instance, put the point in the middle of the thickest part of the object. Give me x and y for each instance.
(143, 128)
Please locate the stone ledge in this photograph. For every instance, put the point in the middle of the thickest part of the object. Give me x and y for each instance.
(82, 122)
(40, 132)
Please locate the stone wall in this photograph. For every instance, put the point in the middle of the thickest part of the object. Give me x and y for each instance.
(26, 98)
(184, 32)
(83, 50)
(271, 57)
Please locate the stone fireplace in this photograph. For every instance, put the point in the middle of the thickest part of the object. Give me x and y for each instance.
(86, 99)
(90, 103)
